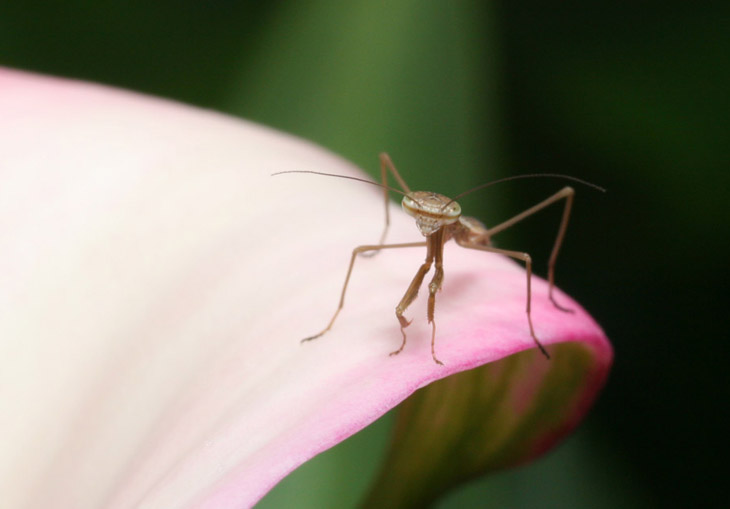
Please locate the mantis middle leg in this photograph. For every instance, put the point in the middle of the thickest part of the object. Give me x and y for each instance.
(355, 252)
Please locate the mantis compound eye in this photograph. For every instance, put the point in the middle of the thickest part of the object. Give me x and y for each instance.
(431, 210)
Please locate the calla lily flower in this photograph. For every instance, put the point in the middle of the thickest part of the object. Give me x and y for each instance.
(156, 280)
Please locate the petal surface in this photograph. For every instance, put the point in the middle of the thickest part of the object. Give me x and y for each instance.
(156, 281)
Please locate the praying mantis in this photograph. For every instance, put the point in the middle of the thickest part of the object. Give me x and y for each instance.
(439, 220)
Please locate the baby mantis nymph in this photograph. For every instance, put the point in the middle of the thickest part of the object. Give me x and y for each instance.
(439, 220)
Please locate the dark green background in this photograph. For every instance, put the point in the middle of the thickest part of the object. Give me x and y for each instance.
(631, 96)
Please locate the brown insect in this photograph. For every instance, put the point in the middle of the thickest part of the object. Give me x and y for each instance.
(439, 220)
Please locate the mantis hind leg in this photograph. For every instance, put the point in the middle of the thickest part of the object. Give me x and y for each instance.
(386, 165)
(567, 194)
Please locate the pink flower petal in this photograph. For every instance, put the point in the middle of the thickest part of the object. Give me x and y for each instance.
(156, 281)
(492, 417)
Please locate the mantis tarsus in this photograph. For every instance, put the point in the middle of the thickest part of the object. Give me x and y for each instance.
(439, 220)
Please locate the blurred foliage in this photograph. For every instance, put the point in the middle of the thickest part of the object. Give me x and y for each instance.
(631, 96)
